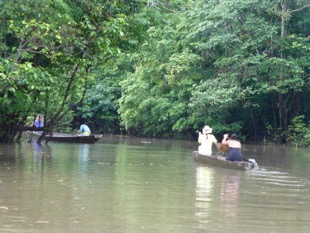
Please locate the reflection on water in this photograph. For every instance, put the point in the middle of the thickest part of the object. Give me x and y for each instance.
(204, 188)
(83, 153)
(229, 194)
(217, 194)
(143, 185)
(260, 201)
(40, 151)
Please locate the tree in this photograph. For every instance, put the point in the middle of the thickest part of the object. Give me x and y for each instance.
(243, 40)
(47, 51)
(225, 57)
(155, 95)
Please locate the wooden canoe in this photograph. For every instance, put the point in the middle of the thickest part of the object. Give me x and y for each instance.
(60, 137)
(220, 161)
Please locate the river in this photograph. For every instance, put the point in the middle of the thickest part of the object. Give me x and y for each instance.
(149, 185)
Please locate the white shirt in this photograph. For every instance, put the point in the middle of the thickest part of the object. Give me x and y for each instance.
(206, 141)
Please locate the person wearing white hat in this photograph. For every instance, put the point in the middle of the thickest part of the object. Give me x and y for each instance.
(206, 138)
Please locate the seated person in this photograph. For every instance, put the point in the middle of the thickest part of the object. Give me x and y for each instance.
(39, 122)
(206, 138)
(84, 130)
(234, 148)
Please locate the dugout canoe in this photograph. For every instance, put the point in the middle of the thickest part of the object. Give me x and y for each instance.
(69, 138)
(220, 161)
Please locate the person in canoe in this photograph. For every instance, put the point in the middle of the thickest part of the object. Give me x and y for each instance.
(234, 147)
(39, 122)
(84, 130)
(206, 139)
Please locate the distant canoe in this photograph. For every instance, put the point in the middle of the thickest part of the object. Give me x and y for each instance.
(220, 161)
(60, 137)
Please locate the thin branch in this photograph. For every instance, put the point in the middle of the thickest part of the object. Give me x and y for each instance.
(305, 6)
(32, 51)
(167, 8)
(70, 83)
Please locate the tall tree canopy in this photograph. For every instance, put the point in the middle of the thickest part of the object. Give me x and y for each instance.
(47, 51)
(237, 65)
(155, 68)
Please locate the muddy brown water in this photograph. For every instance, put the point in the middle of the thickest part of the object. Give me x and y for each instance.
(145, 185)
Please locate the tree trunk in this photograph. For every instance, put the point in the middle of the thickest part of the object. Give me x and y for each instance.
(282, 105)
(281, 98)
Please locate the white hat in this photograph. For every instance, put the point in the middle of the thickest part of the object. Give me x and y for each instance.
(206, 129)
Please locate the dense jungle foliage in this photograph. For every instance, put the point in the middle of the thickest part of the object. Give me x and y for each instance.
(161, 68)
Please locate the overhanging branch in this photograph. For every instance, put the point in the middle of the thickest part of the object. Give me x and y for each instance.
(301, 8)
